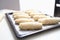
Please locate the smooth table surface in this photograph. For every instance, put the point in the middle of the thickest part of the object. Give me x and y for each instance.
(6, 33)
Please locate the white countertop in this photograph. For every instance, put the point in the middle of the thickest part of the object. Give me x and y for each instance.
(6, 33)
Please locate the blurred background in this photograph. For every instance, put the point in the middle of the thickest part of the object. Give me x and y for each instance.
(45, 6)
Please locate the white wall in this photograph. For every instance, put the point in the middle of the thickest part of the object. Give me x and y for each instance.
(9, 4)
(45, 6)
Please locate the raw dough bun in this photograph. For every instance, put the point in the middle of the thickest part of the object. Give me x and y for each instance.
(48, 21)
(57, 18)
(39, 14)
(21, 16)
(1, 17)
(29, 11)
(20, 20)
(18, 13)
(36, 17)
(30, 25)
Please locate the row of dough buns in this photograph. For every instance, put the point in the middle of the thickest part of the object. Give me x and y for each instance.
(30, 20)
(25, 22)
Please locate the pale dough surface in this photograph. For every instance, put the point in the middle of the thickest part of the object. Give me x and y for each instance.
(1, 17)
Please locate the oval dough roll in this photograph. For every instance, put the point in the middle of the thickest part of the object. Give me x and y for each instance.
(30, 25)
(36, 17)
(29, 11)
(21, 16)
(39, 14)
(57, 18)
(18, 13)
(20, 20)
(48, 21)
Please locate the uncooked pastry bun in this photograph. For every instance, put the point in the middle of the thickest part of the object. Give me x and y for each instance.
(30, 25)
(48, 21)
(36, 17)
(20, 20)
(21, 16)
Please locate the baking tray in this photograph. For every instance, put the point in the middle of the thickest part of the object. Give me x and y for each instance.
(20, 33)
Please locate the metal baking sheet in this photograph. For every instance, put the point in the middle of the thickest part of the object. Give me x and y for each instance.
(20, 33)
